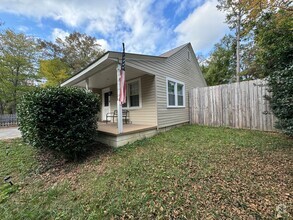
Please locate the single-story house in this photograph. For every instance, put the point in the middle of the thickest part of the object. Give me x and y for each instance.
(157, 92)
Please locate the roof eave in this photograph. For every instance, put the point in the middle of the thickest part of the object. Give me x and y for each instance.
(133, 56)
(111, 55)
(71, 81)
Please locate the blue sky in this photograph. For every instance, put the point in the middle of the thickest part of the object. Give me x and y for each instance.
(146, 26)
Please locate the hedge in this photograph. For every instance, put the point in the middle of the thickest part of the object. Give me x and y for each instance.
(281, 101)
(63, 119)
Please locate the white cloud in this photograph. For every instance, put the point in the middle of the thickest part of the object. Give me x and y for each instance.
(72, 12)
(104, 44)
(130, 21)
(203, 27)
(59, 33)
(146, 32)
(23, 28)
(141, 24)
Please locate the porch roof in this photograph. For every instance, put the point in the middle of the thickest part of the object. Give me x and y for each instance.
(106, 64)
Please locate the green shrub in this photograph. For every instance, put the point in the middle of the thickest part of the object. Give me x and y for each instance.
(281, 101)
(63, 119)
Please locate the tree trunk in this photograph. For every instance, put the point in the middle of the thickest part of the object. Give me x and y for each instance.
(15, 84)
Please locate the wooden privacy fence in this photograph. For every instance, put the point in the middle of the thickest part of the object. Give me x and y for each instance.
(239, 105)
(8, 120)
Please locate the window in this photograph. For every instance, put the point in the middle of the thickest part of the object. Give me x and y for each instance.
(133, 89)
(188, 55)
(171, 93)
(175, 93)
(180, 94)
(106, 99)
(133, 99)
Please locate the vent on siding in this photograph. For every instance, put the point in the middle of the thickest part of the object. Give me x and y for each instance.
(188, 55)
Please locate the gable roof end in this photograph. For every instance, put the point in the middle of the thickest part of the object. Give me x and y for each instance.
(173, 51)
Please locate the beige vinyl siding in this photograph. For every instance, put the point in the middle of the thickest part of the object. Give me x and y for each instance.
(147, 114)
(154, 110)
(187, 71)
(181, 69)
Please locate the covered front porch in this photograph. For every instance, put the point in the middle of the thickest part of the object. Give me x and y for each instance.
(102, 77)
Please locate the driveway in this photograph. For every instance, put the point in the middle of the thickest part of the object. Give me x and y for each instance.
(9, 133)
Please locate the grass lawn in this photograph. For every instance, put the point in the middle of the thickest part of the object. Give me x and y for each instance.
(191, 172)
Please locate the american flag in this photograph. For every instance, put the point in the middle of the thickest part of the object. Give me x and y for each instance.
(122, 98)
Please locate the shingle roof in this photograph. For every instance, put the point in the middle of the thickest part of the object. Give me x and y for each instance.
(173, 51)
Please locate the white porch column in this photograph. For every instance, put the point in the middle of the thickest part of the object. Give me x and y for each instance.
(119, 106)
(87, 84)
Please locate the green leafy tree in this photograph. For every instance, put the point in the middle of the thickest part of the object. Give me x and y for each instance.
(274, 39)
(235, 14)
(18, 63)
(54, 71)
(281, 100)
(275, 45)
(264, 29)
(79, 50)
(220, 67)
(76, 50)
(256, 9)
(271, 24)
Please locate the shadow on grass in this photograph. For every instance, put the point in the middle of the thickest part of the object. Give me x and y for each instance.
(54, 162)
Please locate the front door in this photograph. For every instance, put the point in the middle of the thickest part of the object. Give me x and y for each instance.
(106, 102)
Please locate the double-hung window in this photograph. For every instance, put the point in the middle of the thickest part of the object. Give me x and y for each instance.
(133, 89)
(133, 98)
(175, 93)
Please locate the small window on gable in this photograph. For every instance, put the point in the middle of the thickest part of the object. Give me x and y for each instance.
(175, 93)
(188, 55)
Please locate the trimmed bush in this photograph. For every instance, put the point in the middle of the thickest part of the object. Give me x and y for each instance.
(63, 119)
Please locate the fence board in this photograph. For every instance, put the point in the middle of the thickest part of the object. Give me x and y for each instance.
(239, 105)
(8, 120)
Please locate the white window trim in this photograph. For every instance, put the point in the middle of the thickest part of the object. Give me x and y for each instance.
(176, 97)
(128, 96)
